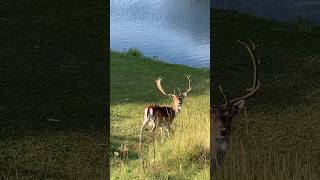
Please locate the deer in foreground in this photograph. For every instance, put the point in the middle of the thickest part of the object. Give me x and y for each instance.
(162, 116)
(222, 115)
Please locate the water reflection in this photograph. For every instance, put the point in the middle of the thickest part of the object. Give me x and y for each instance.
(176, 31)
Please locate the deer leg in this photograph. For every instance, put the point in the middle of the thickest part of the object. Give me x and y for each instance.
(141, 131)
(140, 144)
(168, 130)
(161, 135)
(146, 119)
(154, 149)
(152, 124)
(153, 128)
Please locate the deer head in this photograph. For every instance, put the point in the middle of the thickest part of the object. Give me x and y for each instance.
(177, 98)
(222, 115)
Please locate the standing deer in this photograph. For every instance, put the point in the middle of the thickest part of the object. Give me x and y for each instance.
(222, 115)
(162, 116)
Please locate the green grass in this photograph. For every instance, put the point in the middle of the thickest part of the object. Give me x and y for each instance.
(185, 155)
(53, 90)
(279, 136)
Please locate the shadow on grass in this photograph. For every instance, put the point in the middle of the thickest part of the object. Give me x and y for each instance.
(38, 99)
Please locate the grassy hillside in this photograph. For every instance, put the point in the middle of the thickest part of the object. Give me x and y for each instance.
(279, 136)
(133, 87)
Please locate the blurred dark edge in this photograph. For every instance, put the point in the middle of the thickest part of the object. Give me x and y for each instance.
(53, 67)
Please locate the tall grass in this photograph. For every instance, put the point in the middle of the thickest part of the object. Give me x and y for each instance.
(185, 154)
(267, 164)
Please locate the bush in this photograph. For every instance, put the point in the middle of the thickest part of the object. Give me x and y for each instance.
(135, 52)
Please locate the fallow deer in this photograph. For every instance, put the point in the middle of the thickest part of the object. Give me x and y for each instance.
(222, 115)
(162, 116)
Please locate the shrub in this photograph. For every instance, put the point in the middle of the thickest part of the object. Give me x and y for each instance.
(135, 52)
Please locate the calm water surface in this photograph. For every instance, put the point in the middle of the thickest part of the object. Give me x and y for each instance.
(275, 9)
(176, 31)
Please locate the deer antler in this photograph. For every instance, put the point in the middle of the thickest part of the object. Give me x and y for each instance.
(189, 88)
(247, 95)
(256, 83)
(251, 52)
(226, 100)
(158, 82)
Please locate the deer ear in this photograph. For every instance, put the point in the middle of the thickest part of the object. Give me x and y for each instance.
(237, 106)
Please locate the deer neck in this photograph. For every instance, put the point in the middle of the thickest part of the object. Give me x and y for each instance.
(176, 107)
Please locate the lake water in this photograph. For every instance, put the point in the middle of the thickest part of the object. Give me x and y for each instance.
(275, 9)
(176, 31)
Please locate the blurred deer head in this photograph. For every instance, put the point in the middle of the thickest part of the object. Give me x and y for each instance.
(222, 115)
